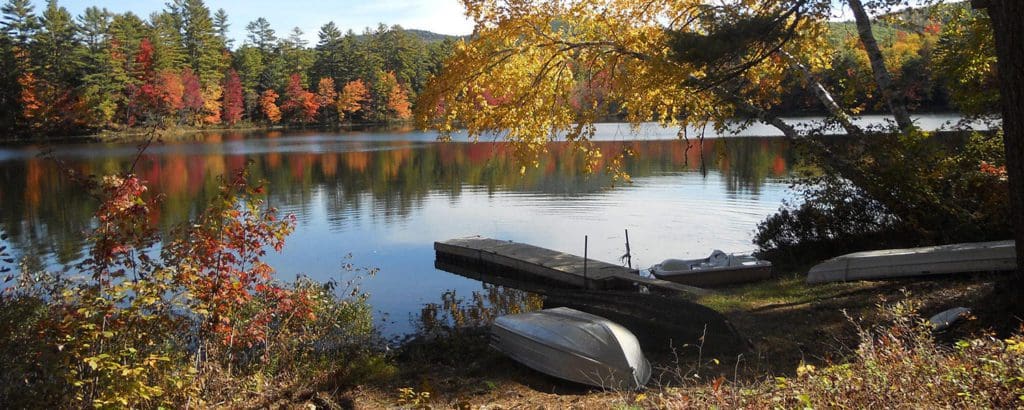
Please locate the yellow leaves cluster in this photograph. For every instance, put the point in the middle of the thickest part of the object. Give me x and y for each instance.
(538, 71)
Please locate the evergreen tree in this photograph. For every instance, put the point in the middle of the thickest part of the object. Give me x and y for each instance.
(330, 59)
(94, 28)
(220, 26)
(10, 103)
(204, 49)
(169, 52)
(248, 61)
(261, 35)
(56, 46)
(19, 21)
(297, 58)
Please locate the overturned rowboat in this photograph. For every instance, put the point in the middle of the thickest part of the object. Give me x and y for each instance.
(574, 346)
(909, 262)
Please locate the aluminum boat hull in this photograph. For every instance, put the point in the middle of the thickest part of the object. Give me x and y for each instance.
(574, 346)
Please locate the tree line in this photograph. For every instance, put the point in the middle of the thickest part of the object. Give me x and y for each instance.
(62, 74)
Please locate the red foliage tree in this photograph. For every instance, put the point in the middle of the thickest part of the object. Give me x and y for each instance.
(192, 95)
(233, 104)
(220, 259)
(143, 67)
(299, 104)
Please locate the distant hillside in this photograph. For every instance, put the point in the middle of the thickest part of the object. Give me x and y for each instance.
(430, 36)
(886, 26)
(424, 35)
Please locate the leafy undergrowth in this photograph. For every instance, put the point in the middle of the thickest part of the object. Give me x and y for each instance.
(897, 365)
(201, 323)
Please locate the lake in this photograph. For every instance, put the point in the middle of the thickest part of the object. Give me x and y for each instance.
(383, 197)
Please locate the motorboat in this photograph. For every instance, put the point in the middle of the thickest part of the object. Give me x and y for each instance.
(909, 262)
(573, 345)
(718, 269)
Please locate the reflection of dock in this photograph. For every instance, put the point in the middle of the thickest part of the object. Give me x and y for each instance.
(532, 263)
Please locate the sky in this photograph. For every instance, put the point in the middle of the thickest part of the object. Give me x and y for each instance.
(439, 16)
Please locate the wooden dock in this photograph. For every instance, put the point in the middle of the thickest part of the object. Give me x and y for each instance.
(550, 266)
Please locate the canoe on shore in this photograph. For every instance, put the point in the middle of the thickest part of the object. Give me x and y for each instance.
(929, 260)
(574, 346)
(719, 269)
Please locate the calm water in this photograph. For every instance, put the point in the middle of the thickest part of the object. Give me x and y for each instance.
(385, 197)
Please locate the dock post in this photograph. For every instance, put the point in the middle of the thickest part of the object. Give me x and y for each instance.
(629, 256)
(586, 281)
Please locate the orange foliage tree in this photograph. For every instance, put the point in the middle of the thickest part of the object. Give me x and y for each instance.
(211, 104)
(268, 102)
(397, 97)
(326, 98)
(325, 93)
(352, 97)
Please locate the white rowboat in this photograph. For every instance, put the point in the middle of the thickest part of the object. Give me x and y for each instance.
(715, 270)
(574, 346)
(930, 260)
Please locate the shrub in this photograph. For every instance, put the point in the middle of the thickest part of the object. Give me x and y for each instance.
(897, 364)
(883, 191)
(204, 320)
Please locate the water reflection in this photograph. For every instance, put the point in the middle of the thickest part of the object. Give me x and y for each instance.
(41, 208)
(385, 200)
(482, 307)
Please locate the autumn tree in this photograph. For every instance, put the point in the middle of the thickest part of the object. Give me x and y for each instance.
(211, 112)
(268, 103)
(326, 98)
(233, 103)
(398, 102)
(681, 63)
(351, 99)
(192, 96)
(300, 104)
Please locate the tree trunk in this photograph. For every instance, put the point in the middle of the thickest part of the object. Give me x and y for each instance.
(1006, 18)
(824, 96)
(882, 78)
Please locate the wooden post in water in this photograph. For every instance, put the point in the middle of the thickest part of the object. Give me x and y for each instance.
(629, 257)
(586, 281)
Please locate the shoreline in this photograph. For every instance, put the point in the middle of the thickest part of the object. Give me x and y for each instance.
(179, 133)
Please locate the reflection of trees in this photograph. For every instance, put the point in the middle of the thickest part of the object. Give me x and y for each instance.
(393, 178)
(479, 310)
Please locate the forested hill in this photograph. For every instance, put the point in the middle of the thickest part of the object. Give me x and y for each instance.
(431, 37)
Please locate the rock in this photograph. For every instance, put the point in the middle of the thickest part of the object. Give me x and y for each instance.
(943, 320)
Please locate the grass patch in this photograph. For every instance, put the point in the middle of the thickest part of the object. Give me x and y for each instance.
(785, 290)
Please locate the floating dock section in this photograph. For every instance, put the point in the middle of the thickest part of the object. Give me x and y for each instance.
(551, 267)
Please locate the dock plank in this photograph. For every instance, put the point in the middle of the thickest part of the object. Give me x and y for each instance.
(552, 265)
